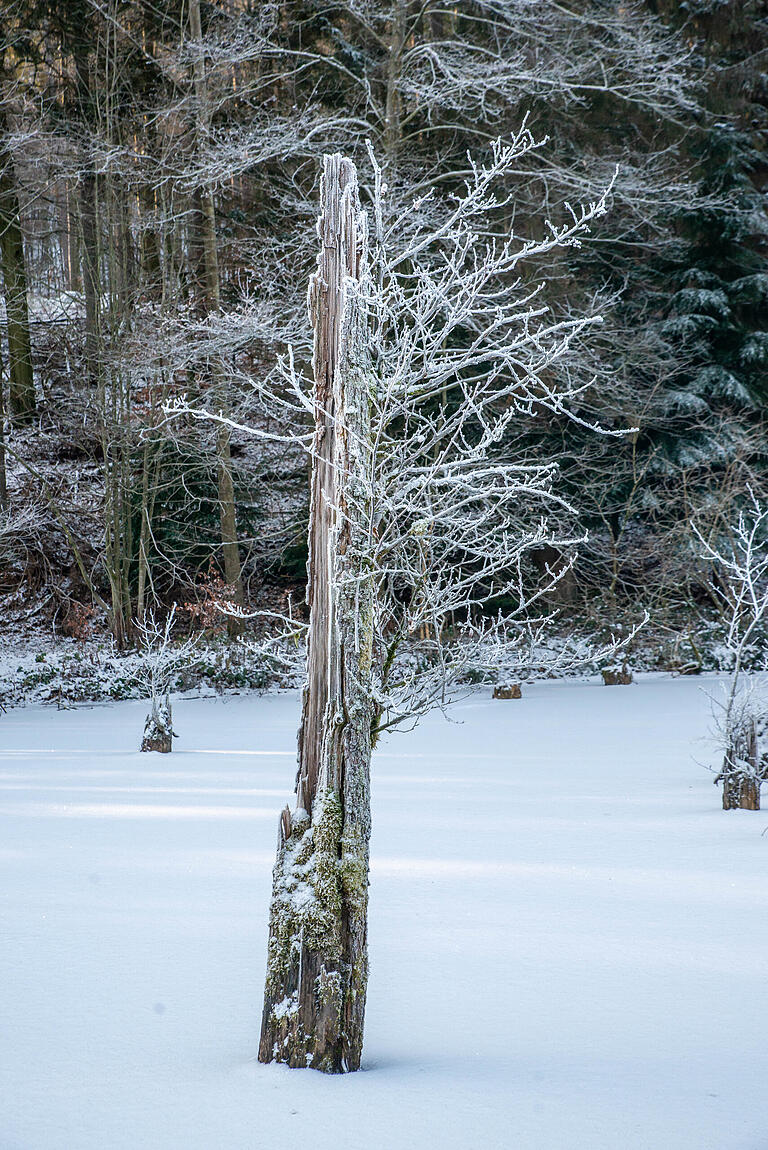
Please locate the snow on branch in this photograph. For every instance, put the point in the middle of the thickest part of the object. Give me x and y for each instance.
(459, 350)
(740, 584)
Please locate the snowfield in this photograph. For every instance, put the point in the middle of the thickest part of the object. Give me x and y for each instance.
(569, 939)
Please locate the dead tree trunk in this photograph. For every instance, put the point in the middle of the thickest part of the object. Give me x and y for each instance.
(317, 966)
(206, 223)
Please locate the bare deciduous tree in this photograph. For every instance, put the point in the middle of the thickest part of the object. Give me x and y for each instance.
(422, 358)
(161, 659)
(740, 583)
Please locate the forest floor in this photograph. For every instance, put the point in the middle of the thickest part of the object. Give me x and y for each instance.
(568, 936)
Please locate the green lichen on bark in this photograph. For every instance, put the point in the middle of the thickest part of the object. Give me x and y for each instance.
(320, 888)
(353, 870)
(307, 892)
(328, 987)
(365, 629)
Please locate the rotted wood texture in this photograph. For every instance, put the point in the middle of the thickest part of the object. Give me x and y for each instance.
(317, 961)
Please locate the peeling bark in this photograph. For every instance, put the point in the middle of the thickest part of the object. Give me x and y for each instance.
(317, 965)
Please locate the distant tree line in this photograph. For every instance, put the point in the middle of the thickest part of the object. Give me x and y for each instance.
(159, 168)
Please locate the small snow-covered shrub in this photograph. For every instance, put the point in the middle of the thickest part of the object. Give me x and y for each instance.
(743, 735)
(75, 673)
(740, 564)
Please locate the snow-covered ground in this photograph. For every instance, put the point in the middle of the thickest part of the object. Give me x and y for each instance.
(569, 940)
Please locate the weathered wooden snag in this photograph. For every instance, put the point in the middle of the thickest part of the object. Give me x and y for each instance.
(317, 965)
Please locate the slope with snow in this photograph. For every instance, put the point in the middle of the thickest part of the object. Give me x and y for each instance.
(568, 937)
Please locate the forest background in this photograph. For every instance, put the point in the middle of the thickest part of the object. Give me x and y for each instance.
(159, 172)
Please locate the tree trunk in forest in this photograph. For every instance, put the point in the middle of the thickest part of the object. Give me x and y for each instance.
(554, 562)
(91, 275)
(228, 521)
(3, 473)
(317, 966)
(207, 229)
(393, 104)
(21, 391)
(68, 212)
(150, 249)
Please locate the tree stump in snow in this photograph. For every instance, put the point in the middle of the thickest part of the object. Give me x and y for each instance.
(158, 728)
(317, 962)
(511, 691)
(621, 677)
(743, 768)
(741, 792)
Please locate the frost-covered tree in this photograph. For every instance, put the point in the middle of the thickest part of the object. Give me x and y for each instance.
(740, 584)
(694, 309)
(430, 340)
(161, 660)
(166, 167)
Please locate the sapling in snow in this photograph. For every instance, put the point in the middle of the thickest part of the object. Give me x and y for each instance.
(741, 586)
(161, 660)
